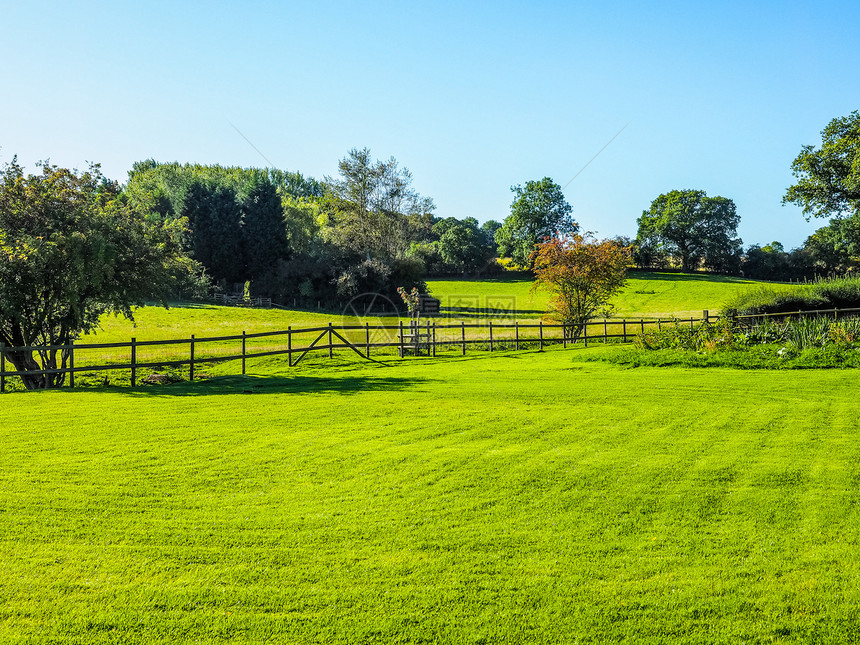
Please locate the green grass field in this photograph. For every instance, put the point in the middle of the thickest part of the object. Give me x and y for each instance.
(494, 498)
(502, 498)
(646, 294)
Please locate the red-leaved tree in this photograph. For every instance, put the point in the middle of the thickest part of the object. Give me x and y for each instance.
(582, 274)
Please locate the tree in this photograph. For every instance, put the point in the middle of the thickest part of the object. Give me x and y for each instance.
(538, 211)
(828, 178)
(373, 209)
(693, 227)
(835, 248)
(242, 221)
(72, 249)
(582, 275)
(462, 246)
(214, 237)
(489, 229)
(264, 232)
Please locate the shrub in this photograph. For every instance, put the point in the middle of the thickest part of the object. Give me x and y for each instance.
(825, 293)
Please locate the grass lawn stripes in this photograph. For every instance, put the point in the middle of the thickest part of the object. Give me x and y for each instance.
(501, 498)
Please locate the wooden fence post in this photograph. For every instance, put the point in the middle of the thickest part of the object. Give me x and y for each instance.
(290, 345)
(367, 339)
(433, 345)
(605, 333)
(624, 329)
(705, 316)
(463, 335)
(517, 335)
(401, 339)
(243, 352)
(330, 351)
(642, 324)
(428, 335)
(134, 361)
(585, 333)
(564, 335)
(541, 335)
(71, 363)
(491, 335)
(191, 366)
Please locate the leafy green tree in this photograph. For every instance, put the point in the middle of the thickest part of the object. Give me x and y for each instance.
(488, 229)
(828, 178)
(835, 248)
(539, 211)
(372, 209)
(462, 247)
(72, 249)
(242, 221)
(693, 227)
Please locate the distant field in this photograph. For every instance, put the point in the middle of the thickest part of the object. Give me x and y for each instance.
(508, 498)
(646, 294)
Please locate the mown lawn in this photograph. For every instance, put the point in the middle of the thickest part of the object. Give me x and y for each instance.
(502, 498)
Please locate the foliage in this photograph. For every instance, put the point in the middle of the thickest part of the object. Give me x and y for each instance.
(582, 274)
(795, 343)
(410, 298)
(835, 248)
(773, 262)
(238, 224)
(72, 249)
(539, 211)
(463, 246)
(721, 334)
(694, 228)
(824, 293)
(828, 178)
(372, 209)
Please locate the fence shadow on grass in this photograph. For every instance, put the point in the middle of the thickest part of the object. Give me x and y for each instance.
(300, 384)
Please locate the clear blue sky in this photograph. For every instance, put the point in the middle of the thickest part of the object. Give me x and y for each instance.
(472, 97)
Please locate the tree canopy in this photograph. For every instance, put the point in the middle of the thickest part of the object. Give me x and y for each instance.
(539, 211)
(694, 228)
(373, 209)
(72, 249)
(582, 274)
(828, 178)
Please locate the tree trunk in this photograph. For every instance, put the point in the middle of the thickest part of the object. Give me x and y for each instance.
(24, 361)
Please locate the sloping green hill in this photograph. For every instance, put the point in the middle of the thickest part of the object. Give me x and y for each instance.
(646, 294)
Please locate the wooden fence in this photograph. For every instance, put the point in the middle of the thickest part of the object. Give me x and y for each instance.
(427, 338)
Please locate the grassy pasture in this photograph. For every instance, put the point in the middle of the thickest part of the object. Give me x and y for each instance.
(646, 294)
(502, 498)
(503, 300)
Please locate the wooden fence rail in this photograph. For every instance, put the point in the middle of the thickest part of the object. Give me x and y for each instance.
(404, 339)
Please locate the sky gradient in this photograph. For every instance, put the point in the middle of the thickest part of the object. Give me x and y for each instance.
(472, 98)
